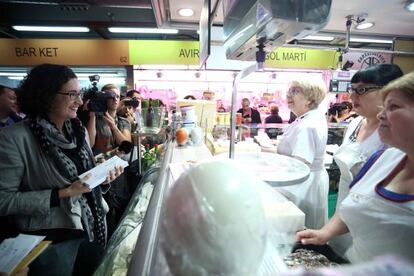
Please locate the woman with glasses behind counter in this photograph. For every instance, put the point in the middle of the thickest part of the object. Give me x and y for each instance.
(361, 139)
(305, 139)
(379, 209)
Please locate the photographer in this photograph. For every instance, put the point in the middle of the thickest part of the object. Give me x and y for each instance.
(126, 110)
(136, 99)
(337, 112)
(110, 129)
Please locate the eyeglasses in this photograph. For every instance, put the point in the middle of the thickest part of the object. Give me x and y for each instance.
(363, 90)
(73, 95)
(294, 90)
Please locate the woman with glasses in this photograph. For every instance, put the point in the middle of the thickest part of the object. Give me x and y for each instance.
(305, 139)
(41, 159)
(361, 139)
(379, 209)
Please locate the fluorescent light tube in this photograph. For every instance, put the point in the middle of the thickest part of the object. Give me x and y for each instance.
(109, 75)
(142, 30)
(364, 25)
(319, 37)
(410, 6)
(13, 74)
(51, 29)
(15, 78)
(370, 40)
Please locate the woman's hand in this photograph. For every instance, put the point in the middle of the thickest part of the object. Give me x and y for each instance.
(310, 236)
(76, 188)
(130, 117)
(114, 174)
(109, 120)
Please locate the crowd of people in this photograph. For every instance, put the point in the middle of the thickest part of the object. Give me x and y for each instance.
(43, 152)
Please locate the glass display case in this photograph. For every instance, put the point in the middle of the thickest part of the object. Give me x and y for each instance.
(135, 248)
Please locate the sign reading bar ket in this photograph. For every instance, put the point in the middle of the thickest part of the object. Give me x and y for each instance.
(63, 51)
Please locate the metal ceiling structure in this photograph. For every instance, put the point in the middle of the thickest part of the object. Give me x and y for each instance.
(390, 17)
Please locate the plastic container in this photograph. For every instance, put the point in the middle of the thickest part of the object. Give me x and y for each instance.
(152, 119)
(188, 114)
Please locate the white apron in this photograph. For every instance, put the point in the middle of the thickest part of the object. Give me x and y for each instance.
(306, 138)
(350, 157)
(378, 225)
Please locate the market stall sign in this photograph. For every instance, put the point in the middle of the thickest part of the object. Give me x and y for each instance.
(302, 58)
(59, 51)
(361, 60)
(163, 52)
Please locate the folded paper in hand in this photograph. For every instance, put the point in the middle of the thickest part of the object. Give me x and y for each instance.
(17, 253)
(99, 173)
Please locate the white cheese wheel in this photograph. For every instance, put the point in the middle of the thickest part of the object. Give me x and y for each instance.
(213, 222)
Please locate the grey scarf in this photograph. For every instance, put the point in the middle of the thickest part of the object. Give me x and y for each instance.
(52, 141)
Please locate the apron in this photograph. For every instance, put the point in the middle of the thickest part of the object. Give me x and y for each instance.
(350, 157)
(378, 225)
(306, 138)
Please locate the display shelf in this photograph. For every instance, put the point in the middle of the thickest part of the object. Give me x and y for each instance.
(119, 248)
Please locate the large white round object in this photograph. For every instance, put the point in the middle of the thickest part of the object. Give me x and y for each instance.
(213, 222)
(275, 169)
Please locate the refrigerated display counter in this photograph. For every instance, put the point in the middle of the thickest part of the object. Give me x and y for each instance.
(135, 248)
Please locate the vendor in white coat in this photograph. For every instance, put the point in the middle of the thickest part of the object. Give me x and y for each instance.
(305, 139)
(361, 139)
(379, 209)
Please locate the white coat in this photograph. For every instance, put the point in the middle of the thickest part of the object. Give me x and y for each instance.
(378, 220)
(306, 139)
(350, 157)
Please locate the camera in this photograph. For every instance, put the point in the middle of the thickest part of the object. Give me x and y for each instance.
(336, 109)
(134, 102)
(97, 100)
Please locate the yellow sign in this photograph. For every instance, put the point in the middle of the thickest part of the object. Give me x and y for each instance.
(163, 52)
(301, 58)
(137, 52)
(61, 51)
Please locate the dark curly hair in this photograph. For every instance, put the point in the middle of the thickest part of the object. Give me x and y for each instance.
(39, 88)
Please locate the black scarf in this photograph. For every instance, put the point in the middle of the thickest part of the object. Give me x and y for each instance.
(52, 141)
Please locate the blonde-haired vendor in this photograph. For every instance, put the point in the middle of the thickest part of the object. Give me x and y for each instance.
(305, 139)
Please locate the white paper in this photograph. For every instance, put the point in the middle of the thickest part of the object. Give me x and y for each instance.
(99, 173)
(13, 250)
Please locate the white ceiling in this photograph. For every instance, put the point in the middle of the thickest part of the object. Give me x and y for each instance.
(389, 16)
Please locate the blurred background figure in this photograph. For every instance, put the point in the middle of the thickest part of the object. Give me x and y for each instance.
(249, 115)
(273, 118)
(8, 107)
(340, 112)
(126, 109)
(189, 97)
(136, 100)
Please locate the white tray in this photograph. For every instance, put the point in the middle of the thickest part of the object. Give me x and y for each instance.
(275, 169)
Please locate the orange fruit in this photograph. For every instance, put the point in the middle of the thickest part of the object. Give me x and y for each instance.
(181, 135)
